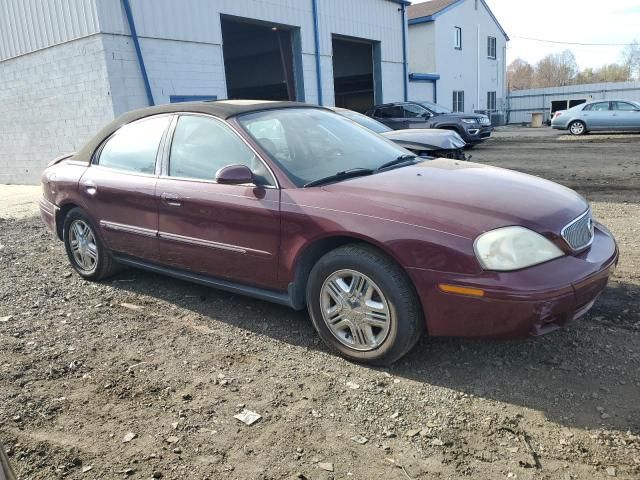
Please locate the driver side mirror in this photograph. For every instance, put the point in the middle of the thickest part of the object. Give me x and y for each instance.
(426, 115)
(234, 175)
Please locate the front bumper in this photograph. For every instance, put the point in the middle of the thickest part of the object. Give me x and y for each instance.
(517, 304)
(48, 213)
(477, 133)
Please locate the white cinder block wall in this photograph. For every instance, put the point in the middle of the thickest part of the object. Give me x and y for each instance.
(52, 101)
(68, 68)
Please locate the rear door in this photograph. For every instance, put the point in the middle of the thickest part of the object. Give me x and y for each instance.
(626, 115)
(119, 187)
(225, 231)
(598, 116)
(392, 116)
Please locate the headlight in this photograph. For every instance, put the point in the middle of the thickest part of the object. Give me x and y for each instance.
(469, 120)
(512, 248)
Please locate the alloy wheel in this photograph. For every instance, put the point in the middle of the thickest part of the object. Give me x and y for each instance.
(577, 128)
(355, 310)
(83, 245)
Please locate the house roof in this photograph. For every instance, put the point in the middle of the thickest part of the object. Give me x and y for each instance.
(430, 10)
(426, 9)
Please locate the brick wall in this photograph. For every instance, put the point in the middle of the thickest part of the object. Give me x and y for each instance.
(52, 101)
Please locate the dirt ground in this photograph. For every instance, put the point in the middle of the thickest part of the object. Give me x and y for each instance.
(141, 376)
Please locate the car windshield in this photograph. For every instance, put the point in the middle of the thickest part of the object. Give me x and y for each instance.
(434, 107)
(310, 144)
(365, 121)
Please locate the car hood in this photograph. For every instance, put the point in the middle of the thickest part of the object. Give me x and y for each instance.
(427, 138)
(461, 198)
(458, 116)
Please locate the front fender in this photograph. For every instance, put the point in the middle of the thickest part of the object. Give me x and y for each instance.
(411, 246)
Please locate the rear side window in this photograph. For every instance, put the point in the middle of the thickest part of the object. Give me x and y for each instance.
(135, 146)
(389, 112)
(597, 107)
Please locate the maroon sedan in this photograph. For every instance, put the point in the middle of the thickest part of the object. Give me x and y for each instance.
(297, 205)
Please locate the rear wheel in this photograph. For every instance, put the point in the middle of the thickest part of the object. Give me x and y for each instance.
(577, 128)
(363, 305)
(85, 248)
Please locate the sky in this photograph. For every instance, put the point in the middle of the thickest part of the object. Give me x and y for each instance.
(583, 21)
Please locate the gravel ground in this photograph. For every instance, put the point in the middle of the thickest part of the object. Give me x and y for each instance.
(141, 376)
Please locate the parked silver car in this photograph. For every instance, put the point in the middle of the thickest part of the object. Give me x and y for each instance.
(425, 142)
(615, 115)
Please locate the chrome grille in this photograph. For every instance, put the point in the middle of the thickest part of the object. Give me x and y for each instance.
(579, 233)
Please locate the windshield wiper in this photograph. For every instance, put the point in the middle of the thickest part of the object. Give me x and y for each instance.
(352, 172)
(406, 158)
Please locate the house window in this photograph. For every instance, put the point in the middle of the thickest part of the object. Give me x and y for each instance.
(458, 38)
(491, 101)
(458, 101)
(491, 47)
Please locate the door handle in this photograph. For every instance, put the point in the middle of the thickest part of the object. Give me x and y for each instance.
(171, 199)
(90, 187)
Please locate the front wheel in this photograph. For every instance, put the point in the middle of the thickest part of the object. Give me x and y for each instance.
(363, 305)
(577, 128)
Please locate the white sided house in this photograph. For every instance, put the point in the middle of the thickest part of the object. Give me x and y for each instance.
(456, 57)
(67, 67)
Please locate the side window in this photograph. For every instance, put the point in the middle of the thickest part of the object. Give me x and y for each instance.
(414, 111)
(491, 48)
(624, 106)
(134, 147)
(491, 101)
(390, 112)
(201, 146)
(270, 134)
(597, 107)
(458, 101)
(457, 38)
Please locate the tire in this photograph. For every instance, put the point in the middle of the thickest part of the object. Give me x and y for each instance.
(387, 293)
(577, 128)
(100, 264)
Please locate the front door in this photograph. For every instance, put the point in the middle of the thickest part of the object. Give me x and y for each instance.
(119, 188)
(225, 231)
(391, 116)
(415, 116)
(626, 115)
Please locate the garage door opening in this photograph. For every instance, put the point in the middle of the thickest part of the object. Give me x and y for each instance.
(259, 60)
(354, 73)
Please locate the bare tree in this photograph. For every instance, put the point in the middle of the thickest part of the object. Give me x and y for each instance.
(613, 72)
(520, 75)
(556, 70)
(631, 58)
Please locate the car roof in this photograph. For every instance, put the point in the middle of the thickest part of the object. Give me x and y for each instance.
(223, 109)
(219, 108)
(392, 104)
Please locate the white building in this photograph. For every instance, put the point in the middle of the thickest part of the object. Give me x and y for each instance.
(457, 52)
(68, 67)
